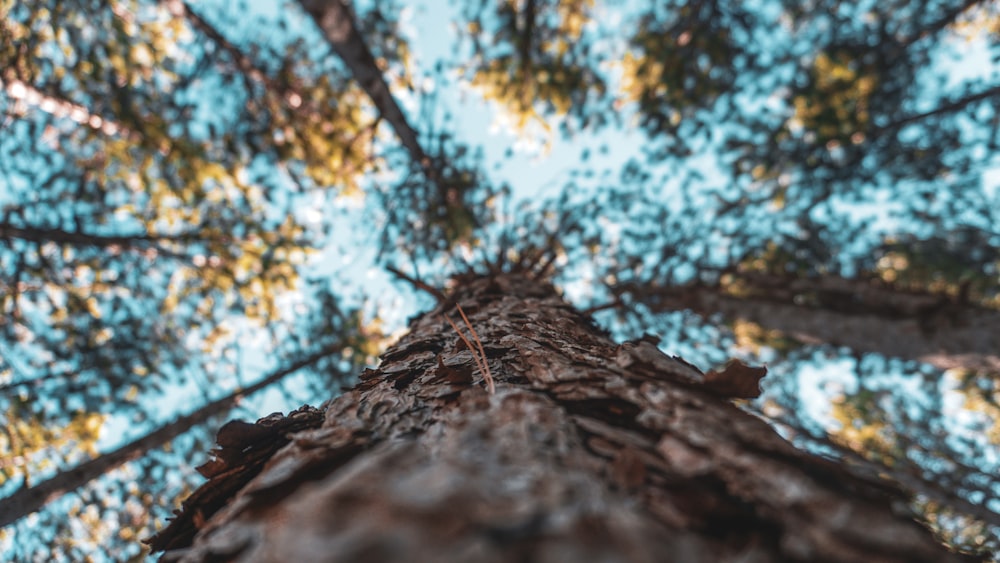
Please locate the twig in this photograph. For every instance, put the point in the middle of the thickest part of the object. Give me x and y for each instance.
(542, 271)
(486, 374)
(612, 305)
(475, 356)
(465, 339)
(438, 295)
(484, 367)
(531, 259)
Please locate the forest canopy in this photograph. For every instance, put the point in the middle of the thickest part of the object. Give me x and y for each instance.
(225, 210)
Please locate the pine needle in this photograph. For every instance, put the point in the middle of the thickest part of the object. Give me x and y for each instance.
(486, 373)
(480, 355)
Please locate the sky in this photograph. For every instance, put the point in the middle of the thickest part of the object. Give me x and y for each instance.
(533, 172)
(537, 170)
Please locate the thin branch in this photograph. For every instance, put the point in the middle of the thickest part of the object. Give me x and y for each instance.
(947, 107)
(29, 95)
(246, 65)
(949, 17)
(612, 305)
(137, 242)
(438, 295)
(544, 270)
(468, 345)
(488, 376)
(529, 259)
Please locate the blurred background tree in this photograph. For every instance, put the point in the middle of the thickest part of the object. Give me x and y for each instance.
(194, 196)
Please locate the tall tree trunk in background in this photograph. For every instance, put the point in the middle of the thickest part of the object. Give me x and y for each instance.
(31, 499)
(926, 327)
(22, 92)
(336, 22)
(588, 451)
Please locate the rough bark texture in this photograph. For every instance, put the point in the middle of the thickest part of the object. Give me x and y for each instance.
(854, 313)
(588, 451)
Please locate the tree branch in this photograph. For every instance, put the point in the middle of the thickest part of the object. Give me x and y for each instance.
(65, 109)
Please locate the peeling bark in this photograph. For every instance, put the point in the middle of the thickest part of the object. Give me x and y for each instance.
(588, 451)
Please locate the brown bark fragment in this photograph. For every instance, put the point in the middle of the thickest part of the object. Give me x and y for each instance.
(588, 451)
(736, 380)
(243, 450)
(628, 470)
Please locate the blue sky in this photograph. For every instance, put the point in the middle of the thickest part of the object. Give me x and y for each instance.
(533, 174)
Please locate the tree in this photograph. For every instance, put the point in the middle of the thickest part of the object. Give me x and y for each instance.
(122, 220)
(187, 191)
(444, 205)
(28, 500)
(949, 328)
(585, 451)
(533, 60)
(133, 232)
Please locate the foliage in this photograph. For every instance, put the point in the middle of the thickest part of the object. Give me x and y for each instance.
(153, 178)
(186, 191)
(531, 59)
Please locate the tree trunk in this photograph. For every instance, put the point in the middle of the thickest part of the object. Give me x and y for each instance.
(337, 24)
(587, 451)
(925, 327)
(31, 499)
(25, 93)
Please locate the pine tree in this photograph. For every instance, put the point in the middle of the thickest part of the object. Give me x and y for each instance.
(162, 177)
(506, 427)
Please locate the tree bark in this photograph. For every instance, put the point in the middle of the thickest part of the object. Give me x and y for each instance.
(32, 499)
(588, 451)
(924, 327)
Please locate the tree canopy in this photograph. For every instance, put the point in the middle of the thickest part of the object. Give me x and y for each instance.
(196, 196)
